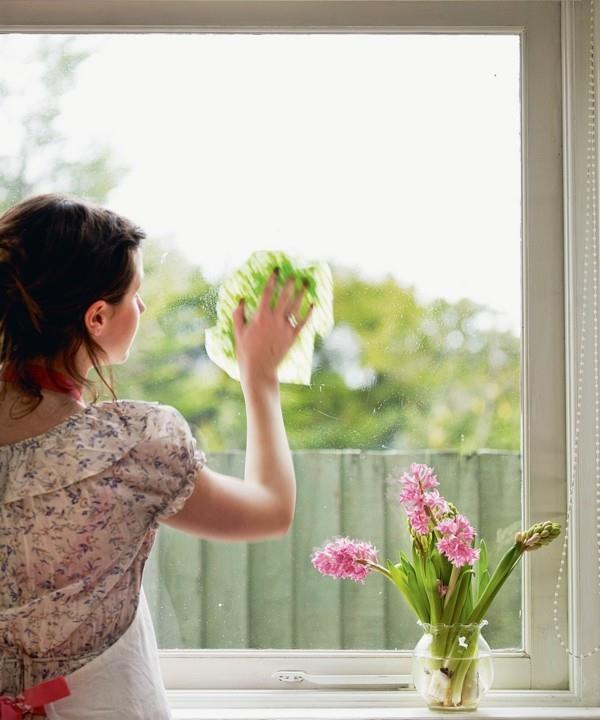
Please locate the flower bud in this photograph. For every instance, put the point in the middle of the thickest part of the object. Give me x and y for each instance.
(538, 535)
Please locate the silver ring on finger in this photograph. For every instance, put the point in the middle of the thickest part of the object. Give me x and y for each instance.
(292, 319)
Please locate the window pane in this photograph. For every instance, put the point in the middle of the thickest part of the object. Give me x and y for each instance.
(396, 159)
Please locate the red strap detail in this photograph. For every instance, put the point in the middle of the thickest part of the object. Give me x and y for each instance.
(48, 379)
(33, 699)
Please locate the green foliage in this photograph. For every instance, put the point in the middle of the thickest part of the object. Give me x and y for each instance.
(502, 572)
(462, 592)
(454, 604)
(482, 576)
(397, 409)
(417, 591)
(410, 593)
(394, 373)
(39, 161)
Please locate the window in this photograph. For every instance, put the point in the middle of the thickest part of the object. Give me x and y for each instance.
(537, 30)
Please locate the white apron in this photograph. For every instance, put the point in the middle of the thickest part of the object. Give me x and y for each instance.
(123, 682)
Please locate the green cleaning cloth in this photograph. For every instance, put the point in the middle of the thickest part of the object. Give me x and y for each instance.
(248, 282)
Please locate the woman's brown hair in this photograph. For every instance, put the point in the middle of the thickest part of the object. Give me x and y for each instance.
(58, 255)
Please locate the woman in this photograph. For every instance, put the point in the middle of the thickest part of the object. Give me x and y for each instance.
(83, 487)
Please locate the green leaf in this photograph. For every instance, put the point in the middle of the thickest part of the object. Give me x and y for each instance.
(506, 565)
(436, 559)
(411, 595)
(417, 591)
(446, 569)
(449, 607)
(435, 599)
(483, 576)
(417, 564)
(459, 613)
(469, 600)
(398, 576)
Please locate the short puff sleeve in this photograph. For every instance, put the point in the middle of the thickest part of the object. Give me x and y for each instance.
(163, 465)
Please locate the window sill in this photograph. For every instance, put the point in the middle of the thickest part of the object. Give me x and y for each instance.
(492, 713)
(266, 705)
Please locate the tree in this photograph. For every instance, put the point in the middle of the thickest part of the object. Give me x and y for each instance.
(396, 380)
(393, 373)
(37, 162)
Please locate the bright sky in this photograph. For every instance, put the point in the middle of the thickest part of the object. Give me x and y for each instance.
(386, 153)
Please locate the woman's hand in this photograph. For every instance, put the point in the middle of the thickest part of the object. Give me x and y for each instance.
(262, 344)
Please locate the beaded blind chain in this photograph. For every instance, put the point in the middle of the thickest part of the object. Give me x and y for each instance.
(590, 230)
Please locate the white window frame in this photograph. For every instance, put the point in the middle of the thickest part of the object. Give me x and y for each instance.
(554, 66)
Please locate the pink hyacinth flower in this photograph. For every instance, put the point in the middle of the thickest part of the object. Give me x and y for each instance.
(425, 475)
(455, 543)
(419, 479)
(459, 527)
(338, 559)
(435, 502)
(420, 500)
(413, 484)
(457, 551)
(419, 521)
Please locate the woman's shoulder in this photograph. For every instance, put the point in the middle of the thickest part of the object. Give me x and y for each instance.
(151, 422)
(89, 442)
(150, 416)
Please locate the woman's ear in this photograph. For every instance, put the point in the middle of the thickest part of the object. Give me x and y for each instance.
(95, 318)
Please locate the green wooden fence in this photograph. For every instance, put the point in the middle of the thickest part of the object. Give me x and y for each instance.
(261, 595)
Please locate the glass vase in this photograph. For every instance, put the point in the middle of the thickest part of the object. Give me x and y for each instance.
(452, 666)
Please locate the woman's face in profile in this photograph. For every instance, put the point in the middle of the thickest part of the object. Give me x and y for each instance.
(123, 323)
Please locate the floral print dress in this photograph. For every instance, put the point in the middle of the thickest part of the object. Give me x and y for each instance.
(80, 505)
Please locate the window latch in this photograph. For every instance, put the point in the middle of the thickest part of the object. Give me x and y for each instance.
(298, 676)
